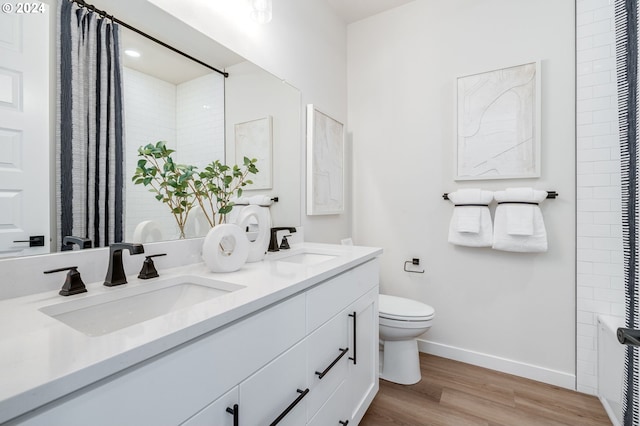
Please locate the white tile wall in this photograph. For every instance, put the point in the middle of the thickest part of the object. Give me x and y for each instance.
(189, 117)
(150, 116)
(599, 242)
(200, 120)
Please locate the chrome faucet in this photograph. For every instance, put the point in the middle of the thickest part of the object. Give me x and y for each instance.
(273, 242)
(115, 272)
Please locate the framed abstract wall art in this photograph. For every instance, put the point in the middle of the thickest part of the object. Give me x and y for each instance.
(253, 139)
(498, 124)
(325, 163)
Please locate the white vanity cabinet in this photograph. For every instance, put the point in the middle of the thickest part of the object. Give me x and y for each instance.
(336, 410)
(304, 360)
(172, 387)
(363, 371)
(224, 411)
(350, 300)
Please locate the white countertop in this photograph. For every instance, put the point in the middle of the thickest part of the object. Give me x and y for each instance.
(42, 359)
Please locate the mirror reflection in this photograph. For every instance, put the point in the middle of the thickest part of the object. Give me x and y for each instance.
(181, 104)
(197, 111)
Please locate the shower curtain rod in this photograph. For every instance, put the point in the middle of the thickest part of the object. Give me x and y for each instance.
(104, 14)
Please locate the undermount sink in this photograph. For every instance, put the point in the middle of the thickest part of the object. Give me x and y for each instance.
(307, 258)
(121, 308)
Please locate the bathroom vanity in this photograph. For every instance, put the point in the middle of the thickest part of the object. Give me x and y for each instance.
(291, 340)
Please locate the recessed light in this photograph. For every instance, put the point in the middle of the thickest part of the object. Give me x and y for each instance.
(132, 53)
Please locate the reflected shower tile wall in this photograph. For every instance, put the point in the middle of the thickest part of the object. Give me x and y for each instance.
(200, 120)
(150, 112)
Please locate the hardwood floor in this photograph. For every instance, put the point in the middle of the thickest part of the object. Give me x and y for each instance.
(452, 393)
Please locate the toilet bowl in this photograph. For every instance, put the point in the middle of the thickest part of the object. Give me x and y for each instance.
(401, 321)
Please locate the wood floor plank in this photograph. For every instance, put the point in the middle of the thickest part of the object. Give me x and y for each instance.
(452, 393)
(495, 413)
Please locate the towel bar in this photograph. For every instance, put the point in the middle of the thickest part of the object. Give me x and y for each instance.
(550, 194)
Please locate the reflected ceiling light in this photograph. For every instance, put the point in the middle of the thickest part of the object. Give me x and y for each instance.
(132, 53)
(261, 11)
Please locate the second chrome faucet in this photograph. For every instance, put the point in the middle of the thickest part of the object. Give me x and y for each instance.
(115, 272)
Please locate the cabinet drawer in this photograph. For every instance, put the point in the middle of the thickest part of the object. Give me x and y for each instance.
(170, 388)
(216, 413)
(332, 296)
(325, 346)
(273, 389)
(335, 410)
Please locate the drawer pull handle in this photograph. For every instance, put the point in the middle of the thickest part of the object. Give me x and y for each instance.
(235, 411)
(344, 423)
(335, 361)
(355, 322)
(302, 393)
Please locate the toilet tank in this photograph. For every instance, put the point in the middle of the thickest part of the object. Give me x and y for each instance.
(610, 367)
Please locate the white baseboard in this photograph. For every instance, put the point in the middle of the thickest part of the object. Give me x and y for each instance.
(611, 412)
(517, 368)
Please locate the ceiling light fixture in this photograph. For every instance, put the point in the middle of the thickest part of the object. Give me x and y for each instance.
(261, 11)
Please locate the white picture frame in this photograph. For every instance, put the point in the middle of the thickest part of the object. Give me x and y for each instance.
(325, 163)
(254, 139)
(498, 124)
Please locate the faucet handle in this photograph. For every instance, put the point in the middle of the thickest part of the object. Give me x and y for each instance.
(73, 283)
(148, 268)
(284, 245)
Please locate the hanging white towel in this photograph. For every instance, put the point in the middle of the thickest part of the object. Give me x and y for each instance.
(518, 224)
(471, 221)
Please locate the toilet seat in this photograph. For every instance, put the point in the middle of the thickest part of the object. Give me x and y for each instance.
(401, 309)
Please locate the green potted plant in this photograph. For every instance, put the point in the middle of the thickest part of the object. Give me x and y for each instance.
(180, 186)
(217, 184)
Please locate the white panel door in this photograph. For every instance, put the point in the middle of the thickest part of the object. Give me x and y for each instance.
(24, 129)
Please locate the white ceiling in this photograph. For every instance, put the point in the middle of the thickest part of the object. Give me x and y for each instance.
(155, 59)
(355, 10)
(158, 61)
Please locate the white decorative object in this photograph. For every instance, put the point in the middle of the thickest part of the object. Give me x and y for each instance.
(147, 231)
(259, 217)
(498, 124)
(254, 140)
(197, 224)
(325, 163)
(225, 248)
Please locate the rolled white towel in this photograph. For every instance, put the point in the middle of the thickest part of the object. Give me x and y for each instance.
(240, 201)
(470, 223)
(261, 200)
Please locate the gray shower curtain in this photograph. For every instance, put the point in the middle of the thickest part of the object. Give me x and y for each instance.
(627, 78)
(89, 145)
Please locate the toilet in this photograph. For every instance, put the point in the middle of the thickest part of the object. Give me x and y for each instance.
(401, 321)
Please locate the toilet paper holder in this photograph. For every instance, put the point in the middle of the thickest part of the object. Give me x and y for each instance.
(414, 261)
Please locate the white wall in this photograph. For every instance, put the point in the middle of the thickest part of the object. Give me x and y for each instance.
(304, 44)
(509, 311)
(600, 272)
